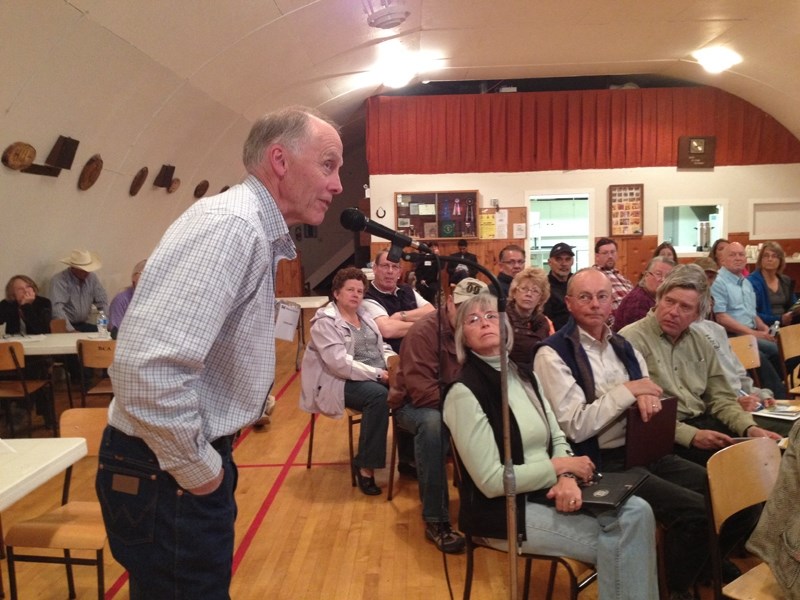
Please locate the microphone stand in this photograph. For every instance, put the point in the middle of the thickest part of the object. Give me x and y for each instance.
(509, 479)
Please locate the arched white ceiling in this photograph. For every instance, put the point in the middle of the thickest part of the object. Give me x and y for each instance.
(148, 82)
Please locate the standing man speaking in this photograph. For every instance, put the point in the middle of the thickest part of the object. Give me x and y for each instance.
(196, 360)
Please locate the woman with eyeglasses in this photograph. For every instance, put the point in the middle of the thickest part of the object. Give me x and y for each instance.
(549, 517)
(345, 366)
(775, 297)
(642, 298)
(527, 295)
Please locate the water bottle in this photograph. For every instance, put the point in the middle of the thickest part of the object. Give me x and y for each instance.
(773, 330)
(102, 325)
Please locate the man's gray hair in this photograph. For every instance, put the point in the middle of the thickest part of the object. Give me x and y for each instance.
(484, 301)
(688, 277)
(288, 126)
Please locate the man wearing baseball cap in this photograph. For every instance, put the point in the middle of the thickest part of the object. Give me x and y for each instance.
(561, 260)
(416, 400)
(76, 288)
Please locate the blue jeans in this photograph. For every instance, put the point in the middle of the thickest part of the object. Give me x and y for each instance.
(770, 369)
(430, 448)
(175, 546)
(621, 544)
(369, 397)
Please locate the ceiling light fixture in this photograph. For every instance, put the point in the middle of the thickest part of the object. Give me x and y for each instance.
(397, 66)
(716, 59)
(389, 14)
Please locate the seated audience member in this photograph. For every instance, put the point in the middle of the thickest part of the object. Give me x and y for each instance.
(428, 279)
(512, 261)
(777, 535)
(685, 365)
(76, 288)
(394, 307)
(591, 376)
(456, 272)
(717, 248)
(643, 297)
(345, 366)
(620, 543)
(23, 311)
(774, 291)
(735, 310)
(428, 362)
(528, 292)
(121, 301)
(605, 260)
(561, 260)
(750, 397)
(666, 250)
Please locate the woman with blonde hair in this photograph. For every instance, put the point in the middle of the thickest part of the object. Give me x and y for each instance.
(527, 295)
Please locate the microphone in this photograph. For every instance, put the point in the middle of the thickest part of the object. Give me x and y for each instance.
(354, 220)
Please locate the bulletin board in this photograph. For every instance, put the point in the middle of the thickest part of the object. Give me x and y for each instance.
(626, 210)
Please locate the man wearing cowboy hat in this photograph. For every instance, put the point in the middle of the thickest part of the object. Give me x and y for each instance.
(75, 289)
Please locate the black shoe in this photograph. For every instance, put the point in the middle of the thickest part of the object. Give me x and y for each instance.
(447, 540)
(730, 572)
(366, 484)
(407, 469)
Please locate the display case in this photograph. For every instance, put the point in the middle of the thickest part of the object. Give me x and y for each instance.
(431, 215)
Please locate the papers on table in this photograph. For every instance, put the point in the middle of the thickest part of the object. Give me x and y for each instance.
(781, 410)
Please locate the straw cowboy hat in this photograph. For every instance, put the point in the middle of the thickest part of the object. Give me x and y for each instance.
(83, 260)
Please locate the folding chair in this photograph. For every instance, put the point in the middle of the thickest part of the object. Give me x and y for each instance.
(17, 387)
(60, 326)
(740, 476)
(75, 525)
(745, 348)
(96, 354)
(789, 347)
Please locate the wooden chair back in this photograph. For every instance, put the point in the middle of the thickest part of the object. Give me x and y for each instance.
(12, 356)
(392, 366)
(58, 326)
(87, 423)
(745, 348)
(96, 354)
(789, 347)
(739, 476)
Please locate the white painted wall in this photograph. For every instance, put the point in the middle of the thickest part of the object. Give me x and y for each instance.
(737, 185)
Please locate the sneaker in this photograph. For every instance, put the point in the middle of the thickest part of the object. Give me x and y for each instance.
(266, 418)
(447, 540)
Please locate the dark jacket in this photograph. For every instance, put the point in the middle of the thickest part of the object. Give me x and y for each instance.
(763, 305)
(37, 316)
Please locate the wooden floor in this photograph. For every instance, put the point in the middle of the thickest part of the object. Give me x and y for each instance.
(302, 534)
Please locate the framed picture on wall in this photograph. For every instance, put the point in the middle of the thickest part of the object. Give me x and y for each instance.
(626, 210)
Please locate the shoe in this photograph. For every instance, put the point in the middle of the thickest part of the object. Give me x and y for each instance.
(366, 484)
(266, 418)
(407, 469)
(447, 540)
(730, 572)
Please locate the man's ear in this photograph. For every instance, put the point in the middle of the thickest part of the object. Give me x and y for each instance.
(278, 159)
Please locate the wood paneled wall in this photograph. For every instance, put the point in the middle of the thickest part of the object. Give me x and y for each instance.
(289, 279)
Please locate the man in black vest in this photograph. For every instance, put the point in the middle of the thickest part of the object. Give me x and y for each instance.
(457, 272)
(394, 307)
(591, 376)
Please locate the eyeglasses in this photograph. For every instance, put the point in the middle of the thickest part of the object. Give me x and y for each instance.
(533, 291)
(586, 297)
(489, 317)
(658, 276)
(389, 266)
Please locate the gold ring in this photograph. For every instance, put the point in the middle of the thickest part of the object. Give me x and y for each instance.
(572, 501)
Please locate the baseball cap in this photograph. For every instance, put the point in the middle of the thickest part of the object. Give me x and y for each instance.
(561, 248)
(466, 288)
(707, 264)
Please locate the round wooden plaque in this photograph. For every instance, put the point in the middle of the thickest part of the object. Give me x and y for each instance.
(201, 189)
(174, 185)
(91, 171)
(138, 181)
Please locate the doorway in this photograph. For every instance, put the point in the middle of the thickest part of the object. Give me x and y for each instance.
(554, 218)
